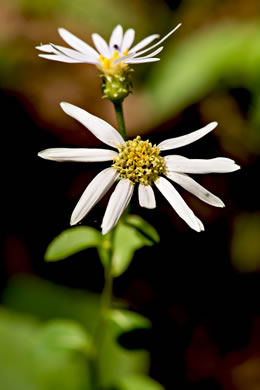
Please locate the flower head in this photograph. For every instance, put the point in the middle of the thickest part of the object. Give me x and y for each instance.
(138, 162)
(112, 58)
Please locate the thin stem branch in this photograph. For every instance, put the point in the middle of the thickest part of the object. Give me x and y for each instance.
(120, 118)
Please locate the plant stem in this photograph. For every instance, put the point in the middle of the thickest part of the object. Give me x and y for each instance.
(120, 118)
(105, 304)
(106, 296)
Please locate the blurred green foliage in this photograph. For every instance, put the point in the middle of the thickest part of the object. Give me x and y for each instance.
(223, 55)
(125, 321)
(245, 245)
(138, 383)
(29, 362)
(40, 355)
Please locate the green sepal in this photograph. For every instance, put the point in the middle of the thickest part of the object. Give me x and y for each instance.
(71, 241)
(117, 86)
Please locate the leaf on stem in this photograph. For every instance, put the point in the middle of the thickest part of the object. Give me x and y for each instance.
(139, 382)
(143, 226)
(127, 239)
(71, 241)
(126, 321)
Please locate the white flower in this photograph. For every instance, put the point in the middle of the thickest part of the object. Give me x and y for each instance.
(139, 162)
(110, 58)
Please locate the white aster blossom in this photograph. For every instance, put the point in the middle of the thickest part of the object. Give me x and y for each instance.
(110, 58)
(139, 163)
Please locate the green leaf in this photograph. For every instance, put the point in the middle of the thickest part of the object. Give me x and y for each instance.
(65, 335)
(138, 382)
(126, 321)
(126, 241)
(72, 241)
(143, 226)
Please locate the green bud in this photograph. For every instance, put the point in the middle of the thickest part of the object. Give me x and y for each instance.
(116, 86)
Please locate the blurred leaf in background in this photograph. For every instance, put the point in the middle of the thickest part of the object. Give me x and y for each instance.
(245, 244)
(28, 362)
(56, 351)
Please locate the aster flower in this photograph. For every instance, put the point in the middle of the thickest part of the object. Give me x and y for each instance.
(111, 58)
(138, 162)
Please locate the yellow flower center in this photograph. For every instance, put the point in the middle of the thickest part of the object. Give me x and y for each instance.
(139, 161)
(107, 65)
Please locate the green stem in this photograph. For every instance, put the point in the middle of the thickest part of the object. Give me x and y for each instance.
(106, 296)
(105, 304)
(120, 117)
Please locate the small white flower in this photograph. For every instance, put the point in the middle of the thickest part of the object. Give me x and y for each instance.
(110, 58)
(139, 162)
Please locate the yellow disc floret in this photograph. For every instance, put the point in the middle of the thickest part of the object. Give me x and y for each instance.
(139, 161)
(108, 66)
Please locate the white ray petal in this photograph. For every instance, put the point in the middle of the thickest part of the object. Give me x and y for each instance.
(78, 44)
(195, 188)
(77, 155)
(117, 204)
(178, 204)
(96, 189)
(213, 165)
(142, 61)
(60, 50)
(146, 196)
(128, 39)
(161, 40)
(157, 51)
(146, 41)
(177, 142)
(101, 45)
(60, 58)
(46, 48)
(202, 229)
(124, 58)
(101, 129)
(116, 39)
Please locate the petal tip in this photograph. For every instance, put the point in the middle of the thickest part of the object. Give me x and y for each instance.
(104, 230)
(65, 105)
(73, 221)
(220, 204)
(213, 125)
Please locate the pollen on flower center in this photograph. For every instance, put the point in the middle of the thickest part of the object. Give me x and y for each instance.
(139, 161)
(107, 65)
